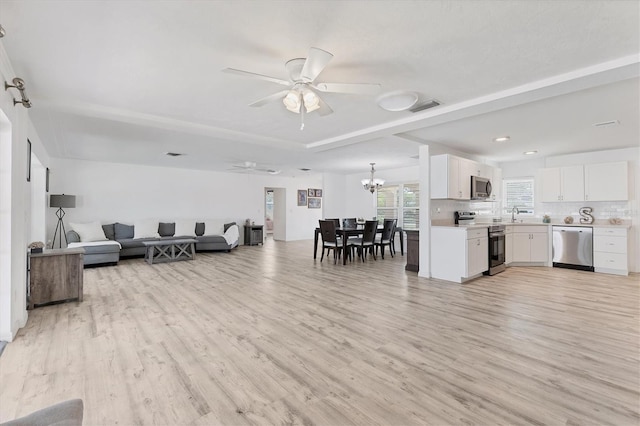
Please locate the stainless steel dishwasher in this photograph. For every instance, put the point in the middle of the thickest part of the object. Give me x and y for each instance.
(573, 247)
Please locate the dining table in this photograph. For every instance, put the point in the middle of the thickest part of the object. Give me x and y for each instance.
(345, 233)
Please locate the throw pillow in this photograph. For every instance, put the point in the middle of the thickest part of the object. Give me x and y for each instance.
(213, 227)
(185, 228)
(199, 229)
(122, 231)
(145, 229)
(166, 229)
(109, 231)
(228, 225)
(89, 231)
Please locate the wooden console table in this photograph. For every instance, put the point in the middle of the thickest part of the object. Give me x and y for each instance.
(55, 275)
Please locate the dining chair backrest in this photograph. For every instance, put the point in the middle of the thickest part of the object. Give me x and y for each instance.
(388, 228)
(349, 222)
(328, 231)
(370, 229)
(337, 222)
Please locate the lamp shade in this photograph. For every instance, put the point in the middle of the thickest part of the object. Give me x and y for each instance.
(62, 200)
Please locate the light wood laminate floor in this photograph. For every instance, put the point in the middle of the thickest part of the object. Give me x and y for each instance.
(266, 335)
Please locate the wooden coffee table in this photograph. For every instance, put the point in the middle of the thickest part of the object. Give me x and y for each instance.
(170, 250)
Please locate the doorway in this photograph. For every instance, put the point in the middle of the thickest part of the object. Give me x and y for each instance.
(275, 213)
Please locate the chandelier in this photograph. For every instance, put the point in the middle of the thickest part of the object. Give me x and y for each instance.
(372, 183)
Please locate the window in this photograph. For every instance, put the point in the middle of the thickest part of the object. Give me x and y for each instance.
(518, 193)
(400, 202)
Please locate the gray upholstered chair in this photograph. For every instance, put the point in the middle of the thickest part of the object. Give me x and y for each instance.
(67, 413)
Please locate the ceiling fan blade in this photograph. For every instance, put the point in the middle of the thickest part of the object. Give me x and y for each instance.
(354, 88)
(317, 59)
(324, 108)
(258, 76)
(270, 98)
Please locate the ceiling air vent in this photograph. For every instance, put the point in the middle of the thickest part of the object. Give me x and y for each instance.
(426, 105)
(173, 154)
(304, 169)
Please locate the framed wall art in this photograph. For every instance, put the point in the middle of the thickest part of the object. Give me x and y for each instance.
(302, 197)
(315, 203)
(311, 192)
(319, 193)
(47, 181)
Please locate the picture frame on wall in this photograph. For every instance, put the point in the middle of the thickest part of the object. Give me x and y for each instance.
(319, 193)
(28, 160)
(302, 197)
(47, 181)
(315, 203)
(311, 192)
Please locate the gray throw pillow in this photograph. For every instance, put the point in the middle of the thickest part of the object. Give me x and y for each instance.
(122, 231)
(199, 229)
(166, 229)
(109, 231)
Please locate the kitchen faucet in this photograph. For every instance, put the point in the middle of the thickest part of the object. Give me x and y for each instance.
(514, 211)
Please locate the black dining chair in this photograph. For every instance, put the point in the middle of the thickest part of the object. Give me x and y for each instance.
(330, 241)
(366, 242)
(337, 221)
(349, 223)
(385, 238)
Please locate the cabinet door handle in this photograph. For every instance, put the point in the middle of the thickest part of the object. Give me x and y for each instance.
(586, 196)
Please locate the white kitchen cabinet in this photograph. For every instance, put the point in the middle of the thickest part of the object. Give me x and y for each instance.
(610, 250)
(606, 181)
(508, 244)
(459, 254)
(530, 244)
(563, 184)
(477, 255)
(450, 177)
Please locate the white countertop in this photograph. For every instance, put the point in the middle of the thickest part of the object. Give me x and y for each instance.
(486, 225)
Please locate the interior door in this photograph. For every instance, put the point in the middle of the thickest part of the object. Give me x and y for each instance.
(279, 214)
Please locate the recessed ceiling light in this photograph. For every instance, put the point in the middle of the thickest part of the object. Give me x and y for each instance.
(173, 154)
(530, 152)
(502, 139)
(607, 123)
(304, 169)
(399, 100)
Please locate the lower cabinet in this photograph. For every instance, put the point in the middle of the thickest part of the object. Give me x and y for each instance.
(459, 254)
(610, 250)
(530, 244)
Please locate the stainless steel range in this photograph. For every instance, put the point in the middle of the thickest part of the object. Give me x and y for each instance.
(496, 249)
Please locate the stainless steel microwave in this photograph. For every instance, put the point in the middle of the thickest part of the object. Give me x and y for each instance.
(480, 188)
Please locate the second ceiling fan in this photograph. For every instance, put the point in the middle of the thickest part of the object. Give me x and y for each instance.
(301, 94)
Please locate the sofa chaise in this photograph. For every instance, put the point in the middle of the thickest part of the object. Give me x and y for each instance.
(106, 244)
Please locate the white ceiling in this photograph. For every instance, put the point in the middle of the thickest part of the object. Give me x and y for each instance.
(127, 81)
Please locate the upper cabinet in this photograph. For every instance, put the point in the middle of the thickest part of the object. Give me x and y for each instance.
(590, 182)
(563, 184)
(606, 181)
(451, 176)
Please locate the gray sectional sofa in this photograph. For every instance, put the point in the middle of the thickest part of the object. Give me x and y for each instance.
(108, 252)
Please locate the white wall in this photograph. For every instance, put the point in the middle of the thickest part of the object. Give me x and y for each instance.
(15, 205)
(335, 196)
(110, 192)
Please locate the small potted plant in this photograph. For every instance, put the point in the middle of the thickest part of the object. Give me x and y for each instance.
(36, 247)
(546, 219)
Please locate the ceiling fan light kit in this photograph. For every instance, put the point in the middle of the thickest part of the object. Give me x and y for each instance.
(302, 74)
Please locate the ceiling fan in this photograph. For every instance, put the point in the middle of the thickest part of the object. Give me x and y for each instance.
(251, 166)
(301, 94)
